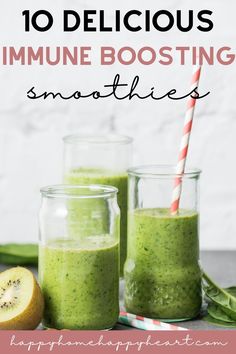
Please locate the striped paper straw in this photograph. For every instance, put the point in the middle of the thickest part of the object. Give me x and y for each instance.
(185, 142)
(146, 324)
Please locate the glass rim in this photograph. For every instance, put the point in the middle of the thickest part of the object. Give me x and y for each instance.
(98, 139)
(165, 171)
(89, 191)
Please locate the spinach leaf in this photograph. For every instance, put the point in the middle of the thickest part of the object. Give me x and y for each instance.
(216, 322)
(220, 297)
(19, 254)
(231, 290)
(217, 313)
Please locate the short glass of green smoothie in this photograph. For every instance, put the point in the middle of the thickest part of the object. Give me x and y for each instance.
(101, 159)
(162, 271)
(79, 256)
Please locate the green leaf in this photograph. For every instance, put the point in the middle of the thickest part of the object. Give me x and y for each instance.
(219, 295)
(20, 249)
(19, 254)
(231, 290)
(216, 322)
(217, 313)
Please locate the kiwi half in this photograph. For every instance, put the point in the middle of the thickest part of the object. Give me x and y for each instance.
(21, 300)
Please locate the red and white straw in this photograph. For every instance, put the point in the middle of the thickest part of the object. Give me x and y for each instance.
(185, 142)
(147, 324)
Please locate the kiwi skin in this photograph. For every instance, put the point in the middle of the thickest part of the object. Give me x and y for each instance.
(31, 317)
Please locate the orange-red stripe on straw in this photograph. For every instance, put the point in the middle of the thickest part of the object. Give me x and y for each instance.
(183, 152)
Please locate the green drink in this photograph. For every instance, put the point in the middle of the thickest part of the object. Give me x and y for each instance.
(79, 280)
(104, 177)
(79, 262)
(162, 273)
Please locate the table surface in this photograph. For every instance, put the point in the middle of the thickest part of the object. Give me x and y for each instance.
(220, 265)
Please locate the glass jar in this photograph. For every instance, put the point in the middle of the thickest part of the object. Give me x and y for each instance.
(79, 256)
(101, 160)
(162, 271)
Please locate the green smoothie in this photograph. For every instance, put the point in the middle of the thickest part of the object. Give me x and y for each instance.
(105, 177)
(162, 273)
(80, 283)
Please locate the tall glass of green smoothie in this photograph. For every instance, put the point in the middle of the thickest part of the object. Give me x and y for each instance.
(101, 160)
(79, 256)
(162, 271)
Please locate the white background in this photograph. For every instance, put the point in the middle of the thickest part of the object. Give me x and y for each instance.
(31, 131)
